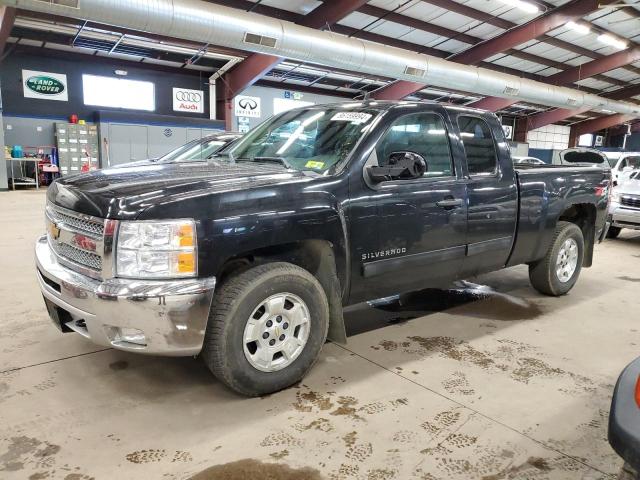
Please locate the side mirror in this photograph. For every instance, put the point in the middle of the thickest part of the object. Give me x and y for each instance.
(401, 166)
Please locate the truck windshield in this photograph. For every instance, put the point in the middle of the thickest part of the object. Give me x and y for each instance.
(197, 150)
(305, 139)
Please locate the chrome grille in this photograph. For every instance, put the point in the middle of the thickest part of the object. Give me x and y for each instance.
(77, 239)
(630, 201)
(82, 224)
(81, 257)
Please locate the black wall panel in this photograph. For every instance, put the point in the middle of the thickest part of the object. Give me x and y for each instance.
(73, 66)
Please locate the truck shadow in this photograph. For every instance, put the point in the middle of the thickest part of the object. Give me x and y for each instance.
(467, 298)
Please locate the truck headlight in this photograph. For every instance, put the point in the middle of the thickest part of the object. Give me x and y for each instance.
(156, 249)
(615, 197)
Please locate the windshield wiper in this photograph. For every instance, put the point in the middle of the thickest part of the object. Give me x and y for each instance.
(279, 160)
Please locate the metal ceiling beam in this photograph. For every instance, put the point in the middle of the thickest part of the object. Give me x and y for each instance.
(597, 124)
(573, 10)
(507, 25)
(462, 37)
(331, 12)
(567, 77)
(596, 67)
(572, 75)
(394, 42)
(560, 114)
(7, 19)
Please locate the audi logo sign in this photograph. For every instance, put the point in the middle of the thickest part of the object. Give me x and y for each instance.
(187, 96)
(186, 100)
(247, 106)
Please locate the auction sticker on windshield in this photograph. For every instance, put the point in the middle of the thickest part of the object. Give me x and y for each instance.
(356, 117)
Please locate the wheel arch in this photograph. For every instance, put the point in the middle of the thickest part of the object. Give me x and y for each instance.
(584, 216)
(319, 257)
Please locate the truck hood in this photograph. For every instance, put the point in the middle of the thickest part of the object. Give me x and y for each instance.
(629, 187)
(124, 193)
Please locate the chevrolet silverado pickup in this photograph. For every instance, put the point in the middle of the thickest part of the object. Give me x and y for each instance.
(247, 258)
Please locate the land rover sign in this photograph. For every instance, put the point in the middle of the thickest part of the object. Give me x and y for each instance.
(44, 85)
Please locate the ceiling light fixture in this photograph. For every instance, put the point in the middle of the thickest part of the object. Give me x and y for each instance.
(524, 6)
(612, 41)
(580, 28)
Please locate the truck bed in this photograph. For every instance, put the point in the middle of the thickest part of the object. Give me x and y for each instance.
(545, 192)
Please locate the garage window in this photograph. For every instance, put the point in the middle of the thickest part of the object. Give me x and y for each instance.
(118, 93)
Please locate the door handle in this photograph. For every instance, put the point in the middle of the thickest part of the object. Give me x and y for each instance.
(450, 203)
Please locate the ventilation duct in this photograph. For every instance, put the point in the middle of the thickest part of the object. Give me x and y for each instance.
(203, 22)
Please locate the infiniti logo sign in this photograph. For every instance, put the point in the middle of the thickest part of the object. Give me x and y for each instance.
(248, 104)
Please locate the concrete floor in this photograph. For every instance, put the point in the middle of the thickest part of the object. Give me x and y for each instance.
(512, 385)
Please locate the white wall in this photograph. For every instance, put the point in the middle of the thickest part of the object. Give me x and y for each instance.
(549, 137)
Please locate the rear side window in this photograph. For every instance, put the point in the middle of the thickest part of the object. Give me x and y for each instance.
(478, 145)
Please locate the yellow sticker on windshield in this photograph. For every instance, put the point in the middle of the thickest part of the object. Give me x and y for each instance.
(314, 164)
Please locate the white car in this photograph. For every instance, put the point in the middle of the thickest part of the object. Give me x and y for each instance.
(624, 209)
(624, 165)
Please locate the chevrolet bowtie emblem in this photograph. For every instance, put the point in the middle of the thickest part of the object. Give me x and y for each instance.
(54, 231)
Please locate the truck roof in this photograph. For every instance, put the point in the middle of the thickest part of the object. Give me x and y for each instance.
(383, 105)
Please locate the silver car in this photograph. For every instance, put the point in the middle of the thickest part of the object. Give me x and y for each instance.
(518, 161)
(624, 209)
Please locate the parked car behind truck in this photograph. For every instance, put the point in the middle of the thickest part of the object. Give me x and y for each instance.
(247, 259)
(625, 204)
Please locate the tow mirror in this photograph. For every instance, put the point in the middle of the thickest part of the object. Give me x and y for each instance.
(401, 166)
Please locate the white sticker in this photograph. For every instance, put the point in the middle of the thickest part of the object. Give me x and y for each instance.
(355, 117)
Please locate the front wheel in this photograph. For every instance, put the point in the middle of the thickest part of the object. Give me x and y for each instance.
(266, 328)
(628, 473)
(558, 271)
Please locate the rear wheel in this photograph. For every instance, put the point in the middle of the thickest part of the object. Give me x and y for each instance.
(613, 232)
(266, 328)
(558, 271)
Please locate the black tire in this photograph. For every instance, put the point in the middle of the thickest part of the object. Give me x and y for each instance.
(628, 473)
(234, 303)
(542, 273)
(613, 232)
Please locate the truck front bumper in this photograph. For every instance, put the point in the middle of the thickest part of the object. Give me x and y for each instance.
(145, 316)
(624, 217)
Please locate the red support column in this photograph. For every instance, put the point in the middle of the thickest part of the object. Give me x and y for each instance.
(7, 19)
(257, 65)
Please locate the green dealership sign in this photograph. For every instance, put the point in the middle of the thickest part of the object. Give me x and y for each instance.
(45, 85)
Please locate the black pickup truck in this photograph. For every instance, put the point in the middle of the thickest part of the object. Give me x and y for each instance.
(248, 257)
